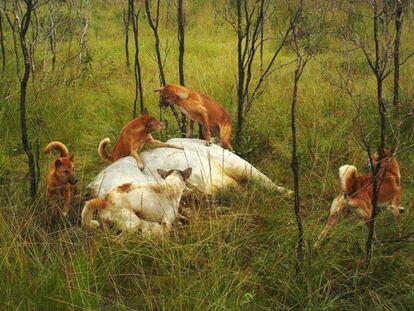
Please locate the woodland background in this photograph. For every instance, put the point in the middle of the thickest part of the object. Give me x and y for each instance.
(240, 250)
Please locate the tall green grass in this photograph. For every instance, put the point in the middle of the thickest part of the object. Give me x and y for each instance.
(238, 251)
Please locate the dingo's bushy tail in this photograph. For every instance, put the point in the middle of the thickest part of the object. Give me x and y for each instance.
(103, 152)
(57, 145)
(347, 173)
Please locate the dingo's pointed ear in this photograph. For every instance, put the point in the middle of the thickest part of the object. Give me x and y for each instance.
(186, 173)
(72, 157)
(164, 174)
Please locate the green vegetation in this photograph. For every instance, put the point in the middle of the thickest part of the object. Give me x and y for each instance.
(238, 253)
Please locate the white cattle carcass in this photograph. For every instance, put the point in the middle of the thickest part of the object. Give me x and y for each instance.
(213, 168)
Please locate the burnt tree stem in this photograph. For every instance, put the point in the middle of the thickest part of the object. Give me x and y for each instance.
(181, 41)
(3, 51)
(261, 34)
(249, 26)
(379, 74)
(154, 22)
(23, 28)
(301, 59)
(398, 27)
(127, 19)
(240, 75)
(137, 64)
(295, 167)
(52, 41)
(154, 26)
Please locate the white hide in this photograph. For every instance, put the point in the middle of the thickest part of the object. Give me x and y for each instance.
(214, 168)
(126, 220)
(123, 218)
(154, 202)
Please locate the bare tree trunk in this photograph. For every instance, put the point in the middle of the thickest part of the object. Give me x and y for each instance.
(248, 26)
(261, 34)
(240, 75)
(301, 60)
(137, 65)
(52, 42)
(378, 71)
(181, 36)
(154, 22)
(127, 18)
(181, 33)
(23, 28)
(375, 171)
(295, 167)
(398, 26)
(3, 51)
(154, 26)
